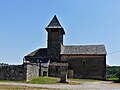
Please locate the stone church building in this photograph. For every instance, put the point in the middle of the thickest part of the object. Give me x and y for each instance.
(84, 61)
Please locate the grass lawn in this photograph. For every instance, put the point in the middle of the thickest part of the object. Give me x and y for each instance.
(44, 80)
(115, 80)
(112, 79)
(55, 80)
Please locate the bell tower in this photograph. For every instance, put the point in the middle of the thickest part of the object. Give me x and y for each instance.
(55, 39)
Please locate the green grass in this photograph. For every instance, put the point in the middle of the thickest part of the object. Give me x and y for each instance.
(55, 80)
(111, 79)
(44, 80)
(115, 80)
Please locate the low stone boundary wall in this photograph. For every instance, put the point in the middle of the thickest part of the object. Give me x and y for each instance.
(18, 72)
(12, 72)
(32, 71)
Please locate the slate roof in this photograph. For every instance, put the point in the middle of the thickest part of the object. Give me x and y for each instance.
(55, 24)
(83, 49)
(41, 52)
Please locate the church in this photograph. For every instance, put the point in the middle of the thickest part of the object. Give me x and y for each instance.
(84, 61)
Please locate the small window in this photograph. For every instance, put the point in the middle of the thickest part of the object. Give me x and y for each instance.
(83, 62)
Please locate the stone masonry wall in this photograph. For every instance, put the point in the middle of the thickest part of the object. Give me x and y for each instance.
(32, 71)
(18, 72)
(12, 72)
(87, 66)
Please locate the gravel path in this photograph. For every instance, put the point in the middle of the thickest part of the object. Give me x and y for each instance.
(84, 86)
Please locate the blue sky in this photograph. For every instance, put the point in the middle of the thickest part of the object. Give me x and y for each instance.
(22, 24)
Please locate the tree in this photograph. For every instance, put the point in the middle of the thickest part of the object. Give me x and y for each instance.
(118, 73)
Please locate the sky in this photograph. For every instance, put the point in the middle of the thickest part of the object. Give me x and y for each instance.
(23, 22)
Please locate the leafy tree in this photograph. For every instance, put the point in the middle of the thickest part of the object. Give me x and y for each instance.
(118, 73)
(113, 72)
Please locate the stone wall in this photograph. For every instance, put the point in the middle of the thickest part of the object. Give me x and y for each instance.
(12, 72)
(32, 71)
(59, 70)
(54, 71)
(18, 72)
(55, 68)
(86, 66)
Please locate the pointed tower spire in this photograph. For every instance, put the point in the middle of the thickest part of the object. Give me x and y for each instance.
(54, 24)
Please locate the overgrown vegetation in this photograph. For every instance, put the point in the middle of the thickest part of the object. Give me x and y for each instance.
(118, 73)
(113, 73)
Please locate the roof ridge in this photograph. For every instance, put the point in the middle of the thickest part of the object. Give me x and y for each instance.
(86, 45)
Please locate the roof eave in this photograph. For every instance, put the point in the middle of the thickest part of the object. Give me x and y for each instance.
(47, 28)
(85, 54)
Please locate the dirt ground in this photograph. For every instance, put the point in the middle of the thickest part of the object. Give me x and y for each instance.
(103, 85)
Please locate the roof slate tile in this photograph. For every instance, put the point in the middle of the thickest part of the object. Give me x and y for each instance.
(83, 49)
